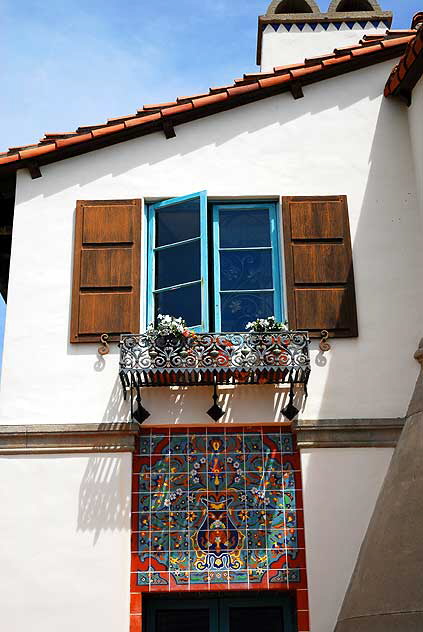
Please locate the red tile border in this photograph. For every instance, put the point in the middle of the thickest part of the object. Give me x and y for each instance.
(135, 623)
(135, 604)
(303, 621)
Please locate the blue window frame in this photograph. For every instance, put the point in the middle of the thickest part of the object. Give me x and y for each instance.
(243, 252)
(177, 262)
(247, 280)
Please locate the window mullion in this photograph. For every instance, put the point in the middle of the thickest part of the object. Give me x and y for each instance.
(204, 263)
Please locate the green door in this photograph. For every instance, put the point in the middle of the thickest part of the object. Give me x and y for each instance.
(221, 613)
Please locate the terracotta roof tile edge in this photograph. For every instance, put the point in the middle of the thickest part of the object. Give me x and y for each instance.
(409, 69)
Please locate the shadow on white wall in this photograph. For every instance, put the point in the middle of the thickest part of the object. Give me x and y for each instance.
(104, 501)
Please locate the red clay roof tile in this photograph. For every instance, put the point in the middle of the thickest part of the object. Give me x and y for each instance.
(408, 71)
(110, 129)
(249, 87)
(37, 151)
(178, 109)
(212, 98)
(277, 80)
(307, 70)
(418, 45)
(143, 120)
(389, 43)
(193, 96)
(336, 60)
(8, 158)
(251, 83)
(159, 106)
(310, 61)
(81, 138)
(365, 51)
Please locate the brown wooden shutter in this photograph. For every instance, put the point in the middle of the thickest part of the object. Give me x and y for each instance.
(319, 268)
(106, 269)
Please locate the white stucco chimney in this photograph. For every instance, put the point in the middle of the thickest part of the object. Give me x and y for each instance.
(294, 29)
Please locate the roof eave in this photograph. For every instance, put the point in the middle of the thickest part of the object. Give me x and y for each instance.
(112, 138)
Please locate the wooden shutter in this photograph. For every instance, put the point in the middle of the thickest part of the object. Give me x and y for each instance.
(319, 267)
(106, 269)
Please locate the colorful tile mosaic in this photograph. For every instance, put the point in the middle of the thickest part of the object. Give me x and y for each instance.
(217, 509)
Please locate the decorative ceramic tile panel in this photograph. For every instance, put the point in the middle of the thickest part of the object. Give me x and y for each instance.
(217, 509)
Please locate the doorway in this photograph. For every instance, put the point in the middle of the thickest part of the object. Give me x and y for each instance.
(220, 613)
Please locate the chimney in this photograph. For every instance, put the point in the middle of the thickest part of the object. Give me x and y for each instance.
(292, 30)
(417, 20)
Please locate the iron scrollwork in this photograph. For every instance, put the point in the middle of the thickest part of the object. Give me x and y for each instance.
(233, 358)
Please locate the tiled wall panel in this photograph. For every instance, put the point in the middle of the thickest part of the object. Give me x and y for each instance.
(217, 509)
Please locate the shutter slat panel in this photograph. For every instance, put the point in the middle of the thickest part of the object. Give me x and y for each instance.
(322, 308)
(102, 224)
(320, 263)
(312, 219)
(107, 267)
(106, 276)
(108, 313)
(319, 267)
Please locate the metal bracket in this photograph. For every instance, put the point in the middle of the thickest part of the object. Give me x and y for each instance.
(104, 349)
(34, 170)
(324, 345)
(296, 89)
(215, 412)
(168, 129)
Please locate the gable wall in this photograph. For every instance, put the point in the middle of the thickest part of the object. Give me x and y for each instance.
(336, 140)
(283, 47)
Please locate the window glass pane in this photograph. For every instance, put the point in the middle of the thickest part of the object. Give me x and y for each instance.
(185, 302)
(244, 228)
(183, 620)
(253, 619)
(178, 264)
(246, 270)
(178, 222)
(238, 309)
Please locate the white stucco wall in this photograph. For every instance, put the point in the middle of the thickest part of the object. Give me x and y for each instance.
(341, 487)
(416, 132)
(341, 138)
(65, 543)
(284, 47)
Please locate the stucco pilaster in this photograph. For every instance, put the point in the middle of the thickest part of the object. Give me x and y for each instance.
(385, 592)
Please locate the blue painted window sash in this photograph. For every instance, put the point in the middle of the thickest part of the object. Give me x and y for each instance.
(274, 246)
(152, 249)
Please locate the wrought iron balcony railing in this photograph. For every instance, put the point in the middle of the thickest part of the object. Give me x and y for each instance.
(234, 358)
(214, 359)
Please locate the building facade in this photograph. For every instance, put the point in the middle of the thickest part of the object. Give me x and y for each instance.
(131, 503)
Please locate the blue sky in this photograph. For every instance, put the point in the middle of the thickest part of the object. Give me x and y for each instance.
(79, 62)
